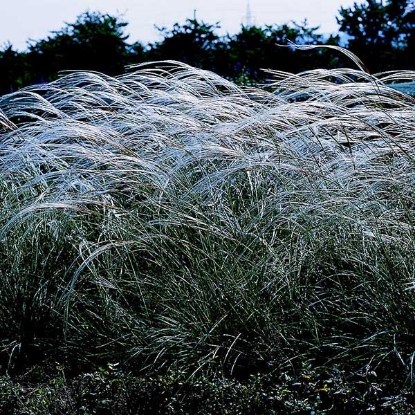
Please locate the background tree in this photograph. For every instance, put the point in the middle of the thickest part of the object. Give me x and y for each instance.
(193, 43)
(401, 14)
(380, 33)
(365, 25)
(136, 53)
(255, 48)
(13, 69)
(94, 42)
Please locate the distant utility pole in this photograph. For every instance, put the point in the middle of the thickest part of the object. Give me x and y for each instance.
(249, 20)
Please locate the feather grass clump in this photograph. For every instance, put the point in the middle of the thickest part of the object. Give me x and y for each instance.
(175, 219)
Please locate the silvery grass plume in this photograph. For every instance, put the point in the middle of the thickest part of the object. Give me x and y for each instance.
(174, 216)
(410, 8)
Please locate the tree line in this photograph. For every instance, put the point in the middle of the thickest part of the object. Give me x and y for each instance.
(381, 33)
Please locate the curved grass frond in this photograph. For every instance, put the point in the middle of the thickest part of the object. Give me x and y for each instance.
(188, 221)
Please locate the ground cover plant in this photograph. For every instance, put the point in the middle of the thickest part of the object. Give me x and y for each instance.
(170, 226)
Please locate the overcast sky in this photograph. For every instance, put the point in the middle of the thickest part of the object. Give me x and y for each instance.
(21, 20)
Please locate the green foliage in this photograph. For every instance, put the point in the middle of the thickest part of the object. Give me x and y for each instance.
(241, 57)
(97, 42)
(254, 49)
(13, 69)
(109, 389)
(94, 42)
(381, 33)
(193, 43)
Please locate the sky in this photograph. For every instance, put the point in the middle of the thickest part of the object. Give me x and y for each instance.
(21, 20)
